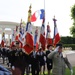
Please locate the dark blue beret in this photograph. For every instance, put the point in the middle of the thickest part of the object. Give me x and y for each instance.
(59, 44)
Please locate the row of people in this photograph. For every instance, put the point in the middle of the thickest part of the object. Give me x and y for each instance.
(20, 61)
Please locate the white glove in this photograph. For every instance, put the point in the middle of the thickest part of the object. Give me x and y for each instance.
(56, 49)
(71, 72)
(13, 67)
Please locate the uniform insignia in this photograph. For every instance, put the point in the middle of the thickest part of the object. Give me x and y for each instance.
(16, 54)
(20, 53)
(11, 54)
(57, 55)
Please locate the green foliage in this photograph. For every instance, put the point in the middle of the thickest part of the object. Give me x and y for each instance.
(73, 12)
(68, 71)
(72, 29)
(67, 40)
(69, 45)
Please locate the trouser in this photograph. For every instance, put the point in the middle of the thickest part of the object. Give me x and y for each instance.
(35, 70)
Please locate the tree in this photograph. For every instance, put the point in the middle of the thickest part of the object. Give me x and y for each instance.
(72, 29)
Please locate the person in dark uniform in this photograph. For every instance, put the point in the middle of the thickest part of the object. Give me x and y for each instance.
(15, 59)
(23, 60)
(34, 62)
(11, 57)
(19, 66)
(49, 61)
(27, 62)
(41, 55)
(18, 59)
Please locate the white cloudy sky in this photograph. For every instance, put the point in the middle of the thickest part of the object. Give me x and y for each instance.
(14, 10)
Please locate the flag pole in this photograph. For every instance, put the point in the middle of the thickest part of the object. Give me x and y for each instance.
(44, 9)
(44, 16)
(54, 20)
(44, 4)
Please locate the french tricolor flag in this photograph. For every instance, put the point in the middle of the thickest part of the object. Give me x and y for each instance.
(21, 33)
(3, 39)
(36, 38)
(42, 38)
(13, 38)
(56, 34)
(36, 14)
(48, 36)
(29, 44)
(17, 36)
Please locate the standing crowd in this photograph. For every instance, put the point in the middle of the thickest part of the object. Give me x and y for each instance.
(37, 61)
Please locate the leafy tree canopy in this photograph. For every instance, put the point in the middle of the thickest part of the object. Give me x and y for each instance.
(72, 29)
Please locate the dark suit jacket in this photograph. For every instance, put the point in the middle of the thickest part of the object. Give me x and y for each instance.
(47, 59)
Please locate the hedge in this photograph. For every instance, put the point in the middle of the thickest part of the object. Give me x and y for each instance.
(69, 45)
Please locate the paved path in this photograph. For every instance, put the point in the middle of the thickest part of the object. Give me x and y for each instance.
(71, 56)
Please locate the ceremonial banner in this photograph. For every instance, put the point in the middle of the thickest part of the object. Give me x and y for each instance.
(36, 42)
(21, 33)
(56, 34)
(17, 36)
(29, 44)
(48, 37)
(3, 39)
(42, 38)
(13, 38)
(36, 14)
(29, 39)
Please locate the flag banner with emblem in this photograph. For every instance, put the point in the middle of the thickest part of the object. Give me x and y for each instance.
(36, 42)
(29, 39)
(36, 14)
(29, 43)
(48, 36)
(3, 39)
(42, 38)
(56, 38)
(13, 38)
(16, 34)
(21, 33)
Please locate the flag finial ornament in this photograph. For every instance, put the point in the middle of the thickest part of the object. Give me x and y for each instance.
(54, 19)
(48, 23)
(43, 21)
(29, 13)
(3, 34)
(21, 20)
(54, 16)
(56, 38)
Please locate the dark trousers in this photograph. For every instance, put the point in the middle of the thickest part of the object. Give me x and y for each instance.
(35, 70)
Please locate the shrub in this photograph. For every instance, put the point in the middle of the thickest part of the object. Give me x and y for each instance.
(69, 45)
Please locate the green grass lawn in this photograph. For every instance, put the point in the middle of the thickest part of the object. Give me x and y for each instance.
(68, 71)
